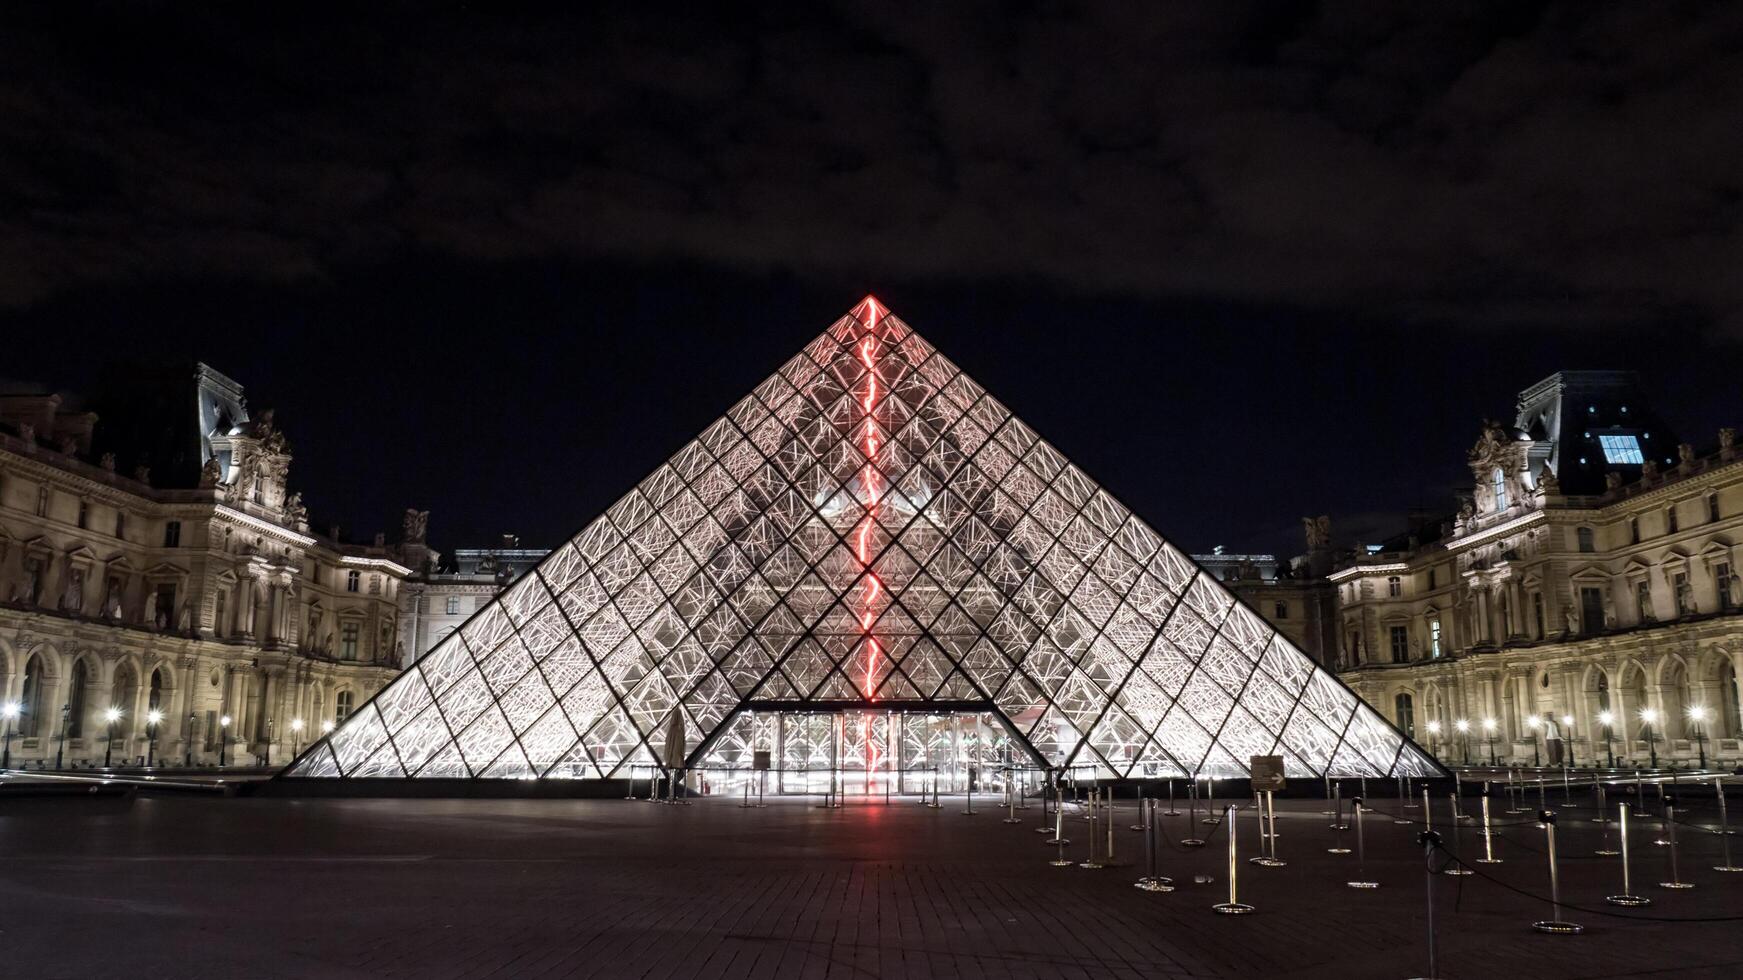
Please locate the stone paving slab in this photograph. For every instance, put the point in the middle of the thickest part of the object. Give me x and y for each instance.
(195, 887)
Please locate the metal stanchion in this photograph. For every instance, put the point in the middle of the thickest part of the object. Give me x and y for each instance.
(1059, 837)
(1455, 868)
(1011, 800)
(747, 804)
(968, 810)
(1488, 837)
(1192, 815)
(1427, 813)
(1567, 790)
(1670, 826)
(1362, 879)
(1408, 796)
(1210, 802)
(1090, 862)
(1724, 826)
(1022, 792)
(1171, 812)
(1599, 797)
(1151, 882)
(1515, 804)
(1108, 859)
(1337, 805)
(1139, 826)
(631, 794)
(1327, 780)
(935, 804)
(1627, 897)
(1233, 906)
(762, 784)
(1054, 781)
(1555, 924)
(1429, 841)
(1603, 818)
(1267, 835)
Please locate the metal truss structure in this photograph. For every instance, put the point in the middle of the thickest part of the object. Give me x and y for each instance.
(866, 530)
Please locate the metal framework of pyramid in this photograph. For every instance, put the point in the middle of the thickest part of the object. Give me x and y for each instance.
(868, 528)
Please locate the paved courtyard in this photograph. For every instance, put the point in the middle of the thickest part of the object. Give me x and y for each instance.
(210, 887)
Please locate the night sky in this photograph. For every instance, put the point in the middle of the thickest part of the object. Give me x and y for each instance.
(1241, 262)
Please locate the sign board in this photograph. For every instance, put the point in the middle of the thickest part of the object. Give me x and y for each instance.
(1267, 772)
(759, 760)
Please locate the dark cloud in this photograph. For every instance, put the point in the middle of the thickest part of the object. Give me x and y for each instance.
(1500, 162)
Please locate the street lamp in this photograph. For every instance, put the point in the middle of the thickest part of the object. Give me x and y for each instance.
(111, 716)
(188, 741)
(1464, 728)
(152, 719)
(327, 727)
(1489, 736)
(1649, 716)
(1567, 737)
(1607, 719)
(223, 738)
(1698, 715)
(10, 711)
(266, 750)
(1534, 723)
(296, 737)
(1434, 738)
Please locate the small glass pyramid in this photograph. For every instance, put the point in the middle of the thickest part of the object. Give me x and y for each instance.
(867, 529)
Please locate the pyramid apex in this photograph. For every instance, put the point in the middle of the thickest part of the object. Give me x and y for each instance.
(870, 310)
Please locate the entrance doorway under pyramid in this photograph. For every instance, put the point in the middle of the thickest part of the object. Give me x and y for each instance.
(871, 539)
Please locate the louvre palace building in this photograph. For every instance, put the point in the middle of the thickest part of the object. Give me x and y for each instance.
(1583, 602)
(158, 576)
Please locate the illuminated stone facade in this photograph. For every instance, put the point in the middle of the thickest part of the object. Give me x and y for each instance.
(1591, 573)
(198, 592)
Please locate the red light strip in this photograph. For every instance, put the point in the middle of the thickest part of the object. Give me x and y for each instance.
(870, 482)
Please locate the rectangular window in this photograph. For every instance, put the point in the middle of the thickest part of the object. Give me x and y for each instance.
(453, 605)
(1400, 644)
(1670, 519)
(1434, 638)
(172, 534)
(1722, 579)
(1585, 540)
(1280, 610)
(1431, 578)
(84, 515)
(1394, 588)
(1537, 614)
(1591, 609)
(374, 585)
(1622, 449)
(1679, 584)
(1643, 601)
(120, 524)
(1712, 507)
(348, 636)
(352, 579)
(1633, 530)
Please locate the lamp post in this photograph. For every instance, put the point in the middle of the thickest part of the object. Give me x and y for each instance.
(1434, 738)
(1464, 728)
(61, 750)
(266, 750)
(1567, 738)
(296, 737)
(1698, 715)
(189, 761)
(1607, 719)
(1489, 727)
(1648, 715)
(327, 727)
(1534, 723)
(112, 715)
(11, 714)
(152, 720)
(223, 738)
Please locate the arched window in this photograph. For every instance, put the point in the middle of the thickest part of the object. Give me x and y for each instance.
(122, 694)
(154, 701)
(76, 702)
(342, 706)
(1404, 713)
(1394, 586)
(30, 704)
(1499, 480)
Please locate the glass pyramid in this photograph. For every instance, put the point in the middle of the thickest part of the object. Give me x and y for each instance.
(868, 528)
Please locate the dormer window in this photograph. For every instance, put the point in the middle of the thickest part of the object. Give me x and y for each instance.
(1499, 479)
(1622, 449)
